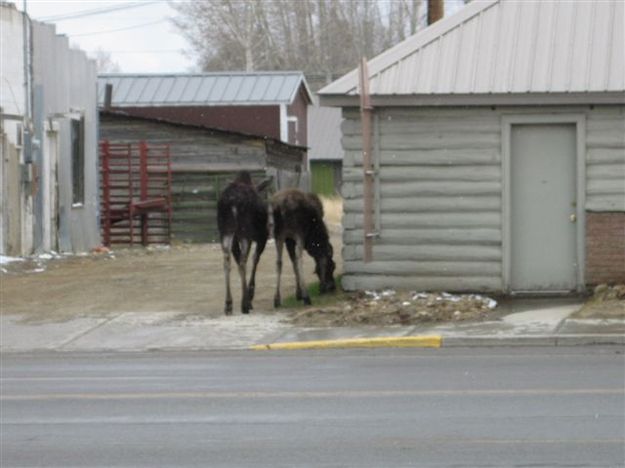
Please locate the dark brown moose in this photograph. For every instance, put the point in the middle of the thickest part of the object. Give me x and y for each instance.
(298, 223)
(242, 219)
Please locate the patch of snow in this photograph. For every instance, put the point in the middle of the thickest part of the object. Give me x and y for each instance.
(420, 295)
(6, 260)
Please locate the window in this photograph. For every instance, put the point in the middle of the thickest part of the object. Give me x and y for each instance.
(78, 160)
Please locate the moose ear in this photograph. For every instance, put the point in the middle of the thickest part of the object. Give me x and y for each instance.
(264, 184)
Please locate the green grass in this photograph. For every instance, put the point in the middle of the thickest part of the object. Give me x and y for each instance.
(317, 299)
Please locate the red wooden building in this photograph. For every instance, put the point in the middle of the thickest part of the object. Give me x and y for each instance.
(270, 104)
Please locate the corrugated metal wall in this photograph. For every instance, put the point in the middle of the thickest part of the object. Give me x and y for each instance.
(441, 193)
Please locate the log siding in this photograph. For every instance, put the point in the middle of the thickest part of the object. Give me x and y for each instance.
(440, 192)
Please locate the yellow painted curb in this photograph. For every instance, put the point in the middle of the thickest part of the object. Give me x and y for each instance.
(432, 341)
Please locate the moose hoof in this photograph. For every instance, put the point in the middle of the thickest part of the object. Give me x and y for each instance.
(307, 300)
(277, 302)
(228, 308)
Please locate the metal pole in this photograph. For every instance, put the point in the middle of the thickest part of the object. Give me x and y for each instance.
(366, 112)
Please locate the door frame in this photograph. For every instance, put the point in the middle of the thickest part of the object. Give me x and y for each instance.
(507, 121)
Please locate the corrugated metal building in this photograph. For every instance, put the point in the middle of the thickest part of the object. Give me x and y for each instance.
(499, 142)
(271, 104)
(48, 161)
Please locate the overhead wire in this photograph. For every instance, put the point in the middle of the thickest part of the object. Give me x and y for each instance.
(136, 26)
(95, 11)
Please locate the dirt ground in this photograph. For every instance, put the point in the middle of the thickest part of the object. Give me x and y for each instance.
(188, 279)
(606, 302)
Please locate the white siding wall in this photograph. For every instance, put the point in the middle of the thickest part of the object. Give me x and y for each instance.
(440, 194)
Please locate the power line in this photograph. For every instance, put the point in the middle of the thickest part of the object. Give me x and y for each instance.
(95, 11)
(147, 51)
(136, 26)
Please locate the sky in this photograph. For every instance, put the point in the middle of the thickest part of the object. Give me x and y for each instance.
(138, 33)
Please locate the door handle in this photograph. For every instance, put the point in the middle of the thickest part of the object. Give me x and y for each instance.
(573, 218)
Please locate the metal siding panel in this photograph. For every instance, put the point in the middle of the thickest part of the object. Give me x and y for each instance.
(150, 90)
(136, 88)
(232, 88)
(522, 57)
(193, 85)
(464, 68)
(403, 77)
(505, 41)
(220, 87)
(543, 49)
(180, 83)
(598, 64)
(162, 92)
(487, 51)
(616, 78)
(563, 38)
(446, 63)
(288, 88)
(581, 47)
(425, 77)
(122, 90)
(260, 88)
(246, 87)
(207, 83)
(273, 90)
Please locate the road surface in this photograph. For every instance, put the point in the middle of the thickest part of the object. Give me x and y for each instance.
(378, 408)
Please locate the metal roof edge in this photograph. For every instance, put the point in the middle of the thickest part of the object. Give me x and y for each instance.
(349, 82)
(122, 114)
(523, 99)
(190, 74)
(309, 95)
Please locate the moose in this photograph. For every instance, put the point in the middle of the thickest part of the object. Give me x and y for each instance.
(242, 219)
(298, 223)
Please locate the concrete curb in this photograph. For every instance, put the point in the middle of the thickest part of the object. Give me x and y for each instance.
(423, 341)
(438, 341)
(533, 340)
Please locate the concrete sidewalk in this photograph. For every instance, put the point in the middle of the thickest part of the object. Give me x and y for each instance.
(547, 323)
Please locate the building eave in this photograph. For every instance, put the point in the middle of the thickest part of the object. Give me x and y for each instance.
(517, 99)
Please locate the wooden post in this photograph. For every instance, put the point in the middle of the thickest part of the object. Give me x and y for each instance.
(436, 11)
(366, 112)
(143, 188)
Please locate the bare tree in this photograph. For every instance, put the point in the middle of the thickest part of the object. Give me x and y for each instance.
(323, 37)
(104, 61)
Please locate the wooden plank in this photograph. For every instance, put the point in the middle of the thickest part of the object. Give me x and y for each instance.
(352, 282)
(420, 253)
(429, 220)
(433, 157)
(423, 188)
(417, 204)
(415, 172)
(428, 268)
(477, 236)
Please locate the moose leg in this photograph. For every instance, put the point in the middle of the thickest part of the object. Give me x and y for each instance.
(244, 245)
(296, 252)
(226, 246)
(260, 247)
(277, 301)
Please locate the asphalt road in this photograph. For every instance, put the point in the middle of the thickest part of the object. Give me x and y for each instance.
(379, 408)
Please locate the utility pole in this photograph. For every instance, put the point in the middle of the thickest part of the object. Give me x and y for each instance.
(436, 11)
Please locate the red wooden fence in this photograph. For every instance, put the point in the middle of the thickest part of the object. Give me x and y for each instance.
(135, 192)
